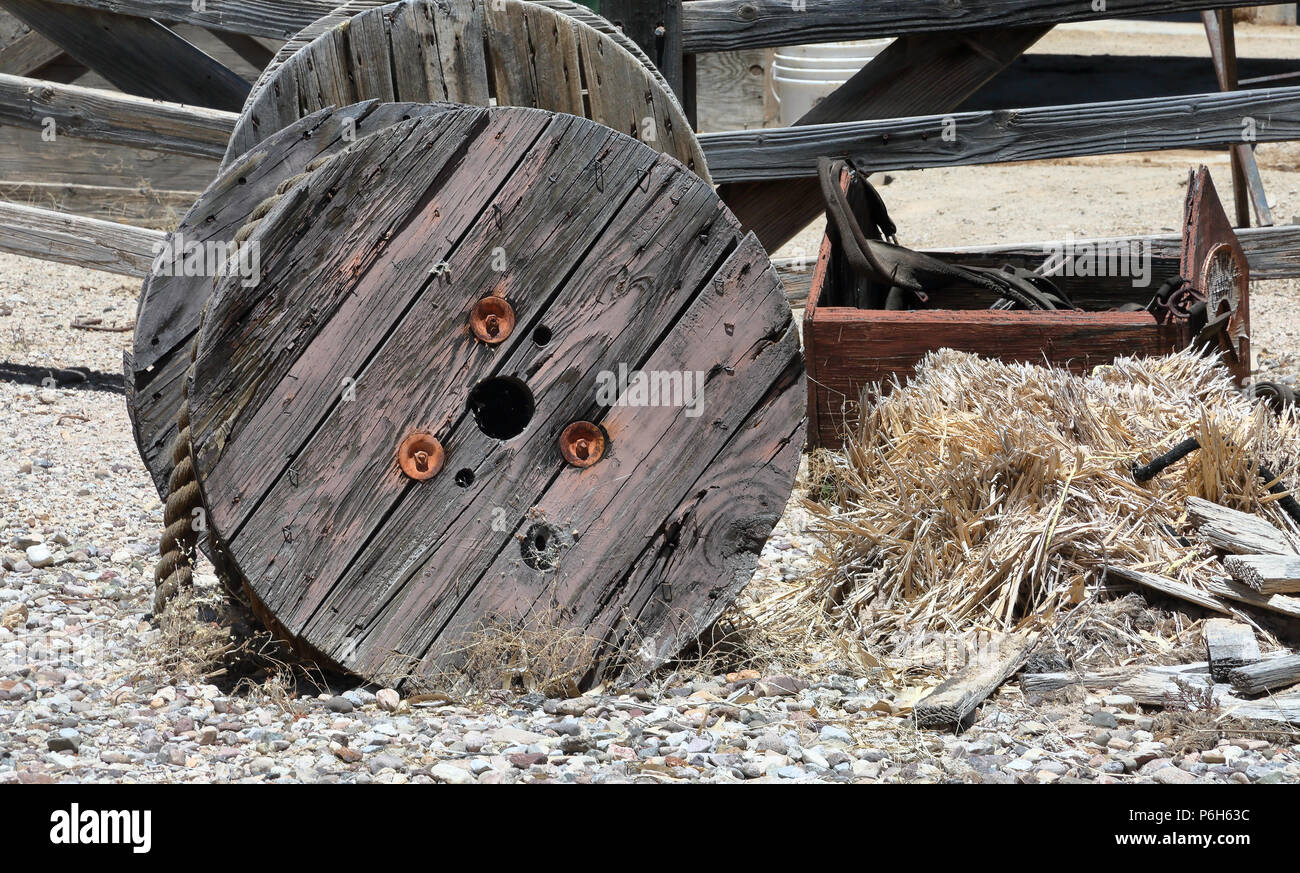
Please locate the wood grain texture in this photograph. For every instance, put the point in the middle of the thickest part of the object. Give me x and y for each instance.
(1232, 590)
(277, 19)
(626, 258)
(27, 54)
(524, 53)
(727, 25)
(1170, 588)
(1238, 532)
(172, 302)
(122, 119)
(1266, 675)
(1187, 121)
(82, 242)
(954, 701)
(1229, 645)
(1267, 574)
(137, 55)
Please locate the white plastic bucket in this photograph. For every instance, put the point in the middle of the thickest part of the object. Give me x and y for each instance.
(805, 75)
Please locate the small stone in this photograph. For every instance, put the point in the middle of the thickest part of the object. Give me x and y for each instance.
(1173, 776)
(388, 699)
(451, 774)
(1104, 719)
(339, 704)
(39, 556)
(63, 744)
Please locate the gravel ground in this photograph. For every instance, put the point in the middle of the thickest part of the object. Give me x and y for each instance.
(85, 696)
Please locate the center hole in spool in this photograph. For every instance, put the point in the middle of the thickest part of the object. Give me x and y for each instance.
(502, 407)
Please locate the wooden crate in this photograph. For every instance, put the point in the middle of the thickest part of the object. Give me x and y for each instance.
(850, 350)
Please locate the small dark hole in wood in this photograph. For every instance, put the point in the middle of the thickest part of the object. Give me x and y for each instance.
(542, 335)
(465, 478)
(541, 546)
(502, 407)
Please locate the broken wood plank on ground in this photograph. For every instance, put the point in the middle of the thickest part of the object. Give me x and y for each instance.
(1229, 645)
(954, 700)
(1240, 532)
(1267, 574)
(1231, 589)
(1266, 675)
(1170, 588)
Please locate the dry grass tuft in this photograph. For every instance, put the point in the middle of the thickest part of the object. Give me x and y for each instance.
(988, 497)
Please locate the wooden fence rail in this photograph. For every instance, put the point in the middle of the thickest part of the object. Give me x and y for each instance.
(112, 117)
(961, 138)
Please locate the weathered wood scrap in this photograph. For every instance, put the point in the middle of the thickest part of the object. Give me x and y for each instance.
(1239, 532)
(954, 700)
(1170, 588)
(1229, 645)
(1266, 675)
(1231, 589)
(1267, 574)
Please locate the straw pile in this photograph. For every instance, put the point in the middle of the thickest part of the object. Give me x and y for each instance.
(986, 497)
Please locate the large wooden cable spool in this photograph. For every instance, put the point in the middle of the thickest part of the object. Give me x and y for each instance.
(182, 277)
(414, 428)
(509, 52)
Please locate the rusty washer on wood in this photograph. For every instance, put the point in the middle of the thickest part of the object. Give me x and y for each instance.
(582, 444)
(420, 456)
(492, 320)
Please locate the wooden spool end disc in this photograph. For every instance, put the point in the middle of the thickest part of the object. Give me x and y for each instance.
(204, 245)
(472, 52)
(615, 261)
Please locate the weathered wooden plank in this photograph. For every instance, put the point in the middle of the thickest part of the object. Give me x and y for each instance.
(106, 116)
(139, 206)
(727, 25)
(964, 138)
(1170, 588)
(277, 19)
(917, 74)
(955, 699)
(1230, 589)
(82, 242)
(28, 54)
(137, 55)
(26, 156)
(1267, 574)
(1238, 532)
(1228, 645)
(323, 533)
(1266, 675)
(1160, 688)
